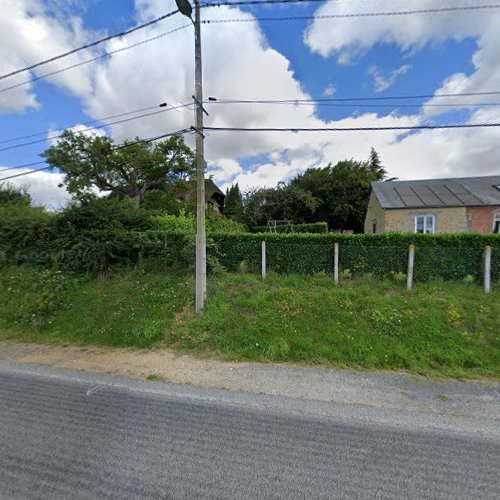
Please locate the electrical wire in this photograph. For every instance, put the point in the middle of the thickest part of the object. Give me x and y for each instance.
(121, 146)
(435, 10)
(349, 99)
(369, 105)
(15, 146)
(93, 59)
(350, 129)
(89, 45)
(104, 118)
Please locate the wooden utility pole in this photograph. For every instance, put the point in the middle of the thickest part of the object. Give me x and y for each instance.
(201, 243)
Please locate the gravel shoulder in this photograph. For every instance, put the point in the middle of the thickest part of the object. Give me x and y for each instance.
(409, 394)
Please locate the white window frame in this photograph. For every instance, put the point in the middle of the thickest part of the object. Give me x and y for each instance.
(427, 230)
(496, 219)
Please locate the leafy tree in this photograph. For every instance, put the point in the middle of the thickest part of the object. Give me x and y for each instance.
(233, 206)
(342, 191)
(93, 163)
(285, 202)
(10, 195)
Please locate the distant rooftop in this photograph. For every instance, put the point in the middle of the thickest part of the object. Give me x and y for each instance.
(458, 192)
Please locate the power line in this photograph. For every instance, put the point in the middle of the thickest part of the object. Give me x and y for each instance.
(436, 10)
(257, 2)
(89, 45)
(121, 146)
(110, 117)
(369, 105)
(93, 59)
(350, 129)
(355, 98)
(15, 146)
(32, 164)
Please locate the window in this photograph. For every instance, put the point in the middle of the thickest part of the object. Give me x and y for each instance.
(425, 224)
(374, 225)
(496, 223)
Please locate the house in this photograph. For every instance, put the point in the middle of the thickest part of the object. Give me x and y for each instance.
(435, 206)
(214, 197)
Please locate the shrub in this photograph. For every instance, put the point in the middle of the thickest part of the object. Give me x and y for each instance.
(183, 222)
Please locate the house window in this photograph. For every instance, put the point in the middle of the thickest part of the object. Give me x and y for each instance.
(374, 225)
(496, 223)
(425, 224)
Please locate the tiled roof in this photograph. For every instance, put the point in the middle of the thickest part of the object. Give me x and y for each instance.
(458, 192)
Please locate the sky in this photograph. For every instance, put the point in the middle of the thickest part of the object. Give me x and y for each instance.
(253, 59)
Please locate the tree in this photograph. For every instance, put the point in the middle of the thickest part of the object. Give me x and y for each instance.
(10, 195)
(375, 165)
(342, 191)
(233, 206)
(284, 202)
(92, 163)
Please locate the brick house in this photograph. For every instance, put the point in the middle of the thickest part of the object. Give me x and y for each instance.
(435, 206)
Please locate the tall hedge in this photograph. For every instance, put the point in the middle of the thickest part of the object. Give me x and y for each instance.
(41, 241)
(445, 256)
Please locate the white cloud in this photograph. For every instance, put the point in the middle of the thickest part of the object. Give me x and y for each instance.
(238, 63)
(53, 136)
(28, 34)
(383, 81)
(43, 188)
(351, 37)
(329, 90)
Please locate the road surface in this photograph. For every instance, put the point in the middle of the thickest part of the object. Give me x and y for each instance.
(70, 435)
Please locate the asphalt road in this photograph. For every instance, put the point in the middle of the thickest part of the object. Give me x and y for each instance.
(65, 435)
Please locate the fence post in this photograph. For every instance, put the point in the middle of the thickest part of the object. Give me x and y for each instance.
(263, 260)
(411, 262)
(487, 269)
(336, 262)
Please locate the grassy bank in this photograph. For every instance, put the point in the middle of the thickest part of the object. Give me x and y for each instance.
(449, 329)
(122, 309)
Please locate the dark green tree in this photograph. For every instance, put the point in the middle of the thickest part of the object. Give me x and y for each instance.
(233, 205)
(10, 195)
(91, 164)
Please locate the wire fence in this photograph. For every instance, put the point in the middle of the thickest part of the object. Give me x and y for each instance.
(449, 263)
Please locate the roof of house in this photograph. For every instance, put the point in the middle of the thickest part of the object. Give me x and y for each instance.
(458, 192)
(211, 189)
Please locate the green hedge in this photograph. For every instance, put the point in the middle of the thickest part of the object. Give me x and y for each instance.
(444, 256)
(316, 227)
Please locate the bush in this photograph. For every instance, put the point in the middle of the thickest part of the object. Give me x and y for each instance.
(187, 223)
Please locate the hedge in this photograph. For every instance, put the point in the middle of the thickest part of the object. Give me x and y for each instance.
(316, 227)
(444, 256)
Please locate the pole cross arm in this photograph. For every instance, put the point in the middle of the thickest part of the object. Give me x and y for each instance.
(200, 105)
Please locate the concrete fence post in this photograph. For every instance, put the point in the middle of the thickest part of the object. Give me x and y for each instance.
(263, 260)
(487, 269)
(411, 262)
(336, 262)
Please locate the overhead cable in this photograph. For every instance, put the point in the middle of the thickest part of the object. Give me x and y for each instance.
(121, 146)
(350, 129)
(93, 59)
(357, 98)
(434, 10)
(97, 127)
(89, 45)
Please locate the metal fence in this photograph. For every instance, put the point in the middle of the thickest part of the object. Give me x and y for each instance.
(409, 264)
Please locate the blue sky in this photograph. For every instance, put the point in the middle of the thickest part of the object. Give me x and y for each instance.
(262, 60)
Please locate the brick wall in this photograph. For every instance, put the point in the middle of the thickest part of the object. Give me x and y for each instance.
(448, 220)
(480, 219)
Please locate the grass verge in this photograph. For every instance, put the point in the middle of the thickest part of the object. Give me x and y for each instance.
(446, 329)
(132, 308)
(449, 329)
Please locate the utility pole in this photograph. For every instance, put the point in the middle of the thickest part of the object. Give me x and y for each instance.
(201, 244)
